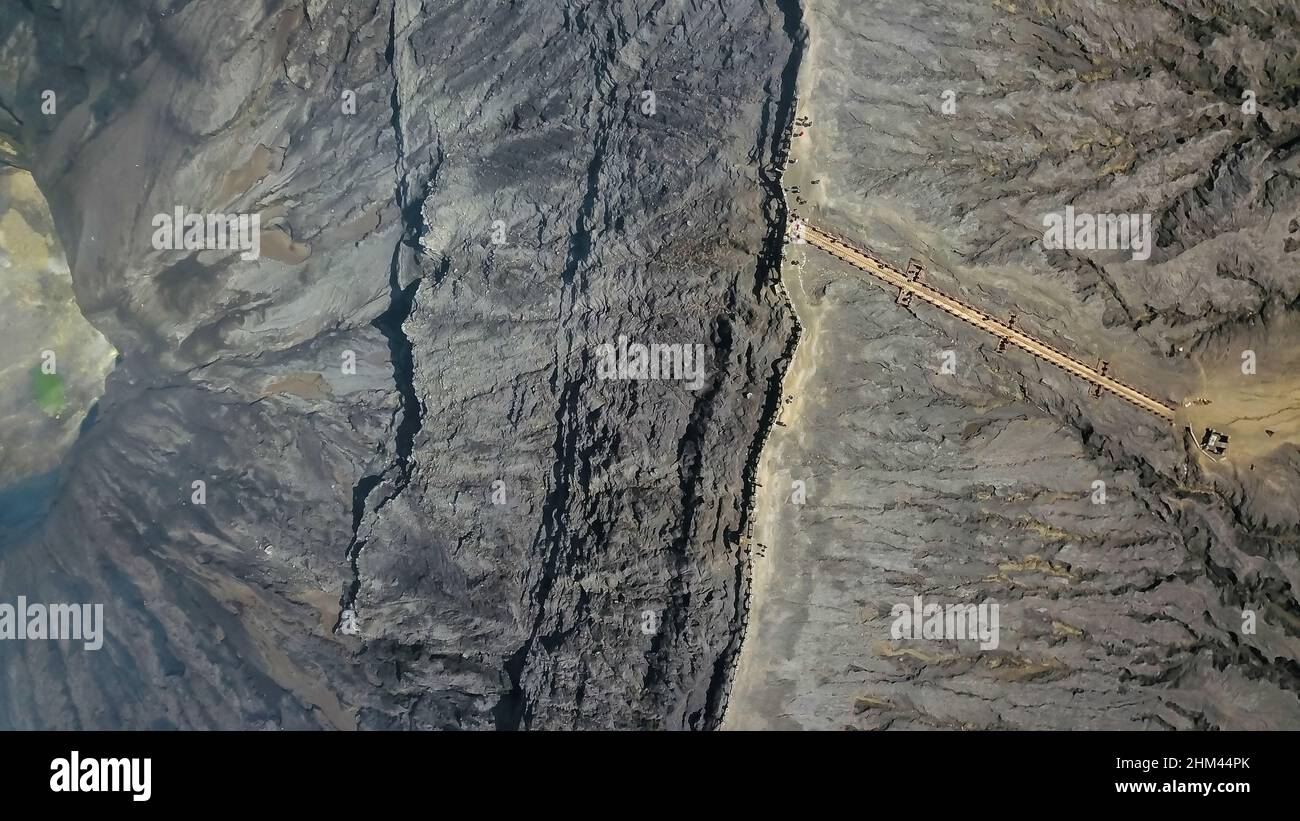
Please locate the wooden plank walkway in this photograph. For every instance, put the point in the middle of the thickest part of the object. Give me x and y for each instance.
(1006, 332)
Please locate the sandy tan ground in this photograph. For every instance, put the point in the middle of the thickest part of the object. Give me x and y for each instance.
(39, 313)
(1260, 410)
(752, 702)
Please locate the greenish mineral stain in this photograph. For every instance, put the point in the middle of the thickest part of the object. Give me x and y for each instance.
(47, 390)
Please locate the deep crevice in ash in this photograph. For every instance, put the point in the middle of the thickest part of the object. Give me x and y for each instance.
(400, 348)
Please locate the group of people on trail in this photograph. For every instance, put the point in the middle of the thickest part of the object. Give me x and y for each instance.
(801, 124)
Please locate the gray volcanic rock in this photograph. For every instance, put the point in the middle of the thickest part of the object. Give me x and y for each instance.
(618, 498)
(978, 486)
(349, 567)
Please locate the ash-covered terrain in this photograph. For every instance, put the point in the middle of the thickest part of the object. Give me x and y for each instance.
(380, 476)
(1163, 598)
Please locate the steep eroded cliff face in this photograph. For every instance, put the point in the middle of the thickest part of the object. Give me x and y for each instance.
(422, 505)
(946, 132)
